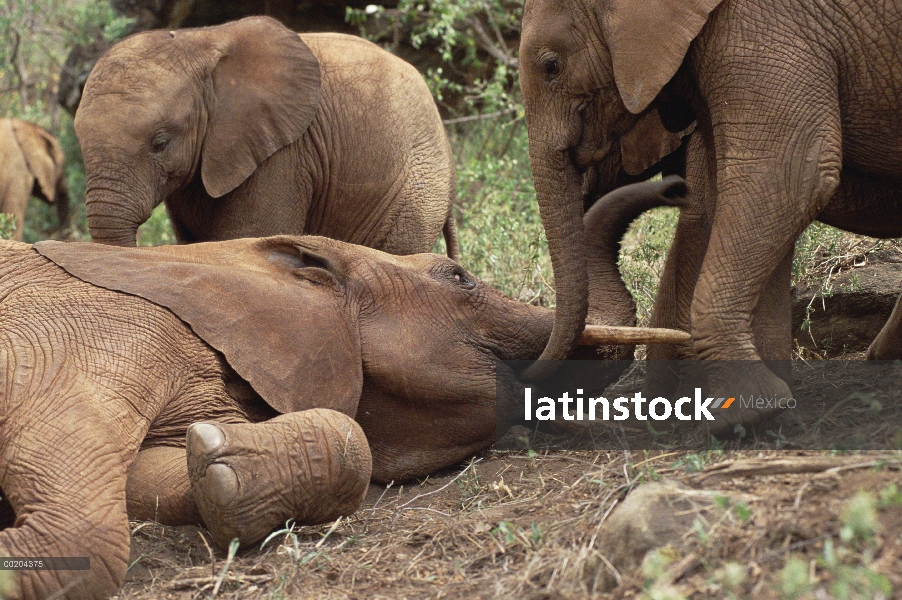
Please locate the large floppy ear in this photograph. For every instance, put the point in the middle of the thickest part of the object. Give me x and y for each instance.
(43, 154)
(265, 91)
(648, 40)
(648, 142)
(271, 307)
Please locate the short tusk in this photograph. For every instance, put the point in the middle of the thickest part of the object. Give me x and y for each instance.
(595, 335)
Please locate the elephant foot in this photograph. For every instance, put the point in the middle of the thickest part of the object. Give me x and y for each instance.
(247, 479)
(758, 395)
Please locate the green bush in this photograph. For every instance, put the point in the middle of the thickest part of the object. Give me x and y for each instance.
(7, 224)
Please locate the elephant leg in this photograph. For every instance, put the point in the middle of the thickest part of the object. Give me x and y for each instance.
(15, 202)
(159, 489)
(65, 480)
(681, 270)
(774, 177)
(311, 466)
(871, 205)
(888, 343)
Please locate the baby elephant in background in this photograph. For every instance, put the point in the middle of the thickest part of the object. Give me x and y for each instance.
(31, 163)
(291, 370)
(248, 129)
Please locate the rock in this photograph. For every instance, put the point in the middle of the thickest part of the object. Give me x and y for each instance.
(653, 516)
(848, 319)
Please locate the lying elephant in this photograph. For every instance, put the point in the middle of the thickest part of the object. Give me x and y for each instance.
(292, 370)
(248, 129)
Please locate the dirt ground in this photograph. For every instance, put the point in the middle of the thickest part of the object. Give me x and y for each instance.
(526, 524)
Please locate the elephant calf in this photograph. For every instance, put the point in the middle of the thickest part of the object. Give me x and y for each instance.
(291, 370)
(31, 163)
(249, 129)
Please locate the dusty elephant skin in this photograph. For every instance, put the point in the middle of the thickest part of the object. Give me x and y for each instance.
(251, 357)
(32, 164)
(798, 108)
(248, 129)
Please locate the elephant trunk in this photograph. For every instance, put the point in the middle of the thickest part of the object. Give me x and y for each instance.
(559, 192)
(606, 222)
(610, 302)
(114, 218)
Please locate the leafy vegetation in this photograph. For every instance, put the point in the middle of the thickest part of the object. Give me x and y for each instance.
(472, 36)
(7, 224)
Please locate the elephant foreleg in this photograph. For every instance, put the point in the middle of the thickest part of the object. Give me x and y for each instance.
(65, 480)
(311, 466)
(14, 195)
(681, 271)
(774, 176)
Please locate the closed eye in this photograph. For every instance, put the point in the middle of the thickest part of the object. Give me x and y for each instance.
(462, 279)
(309, 260)
(159, 142)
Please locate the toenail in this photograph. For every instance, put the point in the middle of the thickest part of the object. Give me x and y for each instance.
(205, 437)
(220, 484)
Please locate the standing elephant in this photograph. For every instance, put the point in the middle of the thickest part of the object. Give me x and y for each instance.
(249, 129)
(253, 356)
(31, 163)
(798, 109)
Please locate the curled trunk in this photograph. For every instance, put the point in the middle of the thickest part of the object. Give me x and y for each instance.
(111, 222)
(606, 299)
(607, 221)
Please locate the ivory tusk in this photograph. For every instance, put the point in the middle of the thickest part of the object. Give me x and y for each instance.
(596, 335)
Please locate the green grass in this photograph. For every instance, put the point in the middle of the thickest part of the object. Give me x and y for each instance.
(502, 241)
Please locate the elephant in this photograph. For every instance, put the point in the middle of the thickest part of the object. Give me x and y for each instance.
(777, 113)
(244, 382)
(33, 164)
(888, 343)
(248, 129)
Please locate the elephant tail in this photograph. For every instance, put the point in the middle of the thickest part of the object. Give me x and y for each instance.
(449, 231)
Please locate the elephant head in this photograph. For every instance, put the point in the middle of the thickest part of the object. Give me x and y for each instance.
(218, 100)
(593, 74)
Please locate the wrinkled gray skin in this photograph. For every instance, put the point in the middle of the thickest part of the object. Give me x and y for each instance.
(798, 108)
(32, 164)
(248, 129)
(252, 356)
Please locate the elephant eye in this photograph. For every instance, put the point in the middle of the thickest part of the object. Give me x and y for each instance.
(463, 280)
(159, 143)
(552, 65)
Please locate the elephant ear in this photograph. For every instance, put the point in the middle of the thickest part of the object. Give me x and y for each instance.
(266, 89)
(648, 40)
(43, 154)
(281, 329)
(648, 142)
